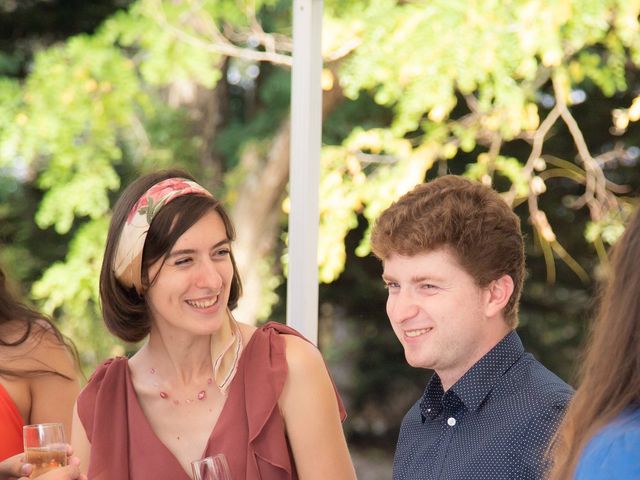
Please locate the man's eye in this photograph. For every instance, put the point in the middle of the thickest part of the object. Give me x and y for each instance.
(391, 285)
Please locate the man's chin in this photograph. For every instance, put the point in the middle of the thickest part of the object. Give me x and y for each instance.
(417, 362)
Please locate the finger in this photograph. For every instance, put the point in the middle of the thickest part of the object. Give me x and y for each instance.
(26, 469)
(70, 472)
(12, 466)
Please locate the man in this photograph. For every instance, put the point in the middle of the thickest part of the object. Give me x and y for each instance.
(453, 261)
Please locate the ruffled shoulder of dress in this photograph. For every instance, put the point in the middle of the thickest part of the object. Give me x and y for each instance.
(275, 328)
(101, 382)
(266, 373)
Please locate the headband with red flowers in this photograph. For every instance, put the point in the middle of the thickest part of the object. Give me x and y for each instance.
(127, 264)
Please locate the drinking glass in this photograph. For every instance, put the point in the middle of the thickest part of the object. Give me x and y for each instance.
(211, 468)
(44, 446)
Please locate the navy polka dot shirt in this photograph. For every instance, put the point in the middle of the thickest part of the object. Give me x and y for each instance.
(494, 423)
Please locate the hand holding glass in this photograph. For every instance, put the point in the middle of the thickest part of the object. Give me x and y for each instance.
(44, 446)
(211, 468)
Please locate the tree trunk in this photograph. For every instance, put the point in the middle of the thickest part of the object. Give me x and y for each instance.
(258, 212)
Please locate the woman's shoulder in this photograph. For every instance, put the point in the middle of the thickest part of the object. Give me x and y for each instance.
(625, 427)
(43, 348)
(288, 333)
(112, 367)
(103, 383)
(613, 452)
(298, 349)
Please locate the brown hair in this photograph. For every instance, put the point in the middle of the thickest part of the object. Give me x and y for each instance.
(35, 325)
(610, 373)
(124, 311)
(466, 217)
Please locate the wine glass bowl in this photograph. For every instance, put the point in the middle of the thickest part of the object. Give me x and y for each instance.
(211, 468)
(45, 447)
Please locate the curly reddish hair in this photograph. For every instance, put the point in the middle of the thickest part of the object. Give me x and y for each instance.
(469, 219)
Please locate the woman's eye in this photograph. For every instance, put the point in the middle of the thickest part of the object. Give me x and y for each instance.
(222, 253)
(182, 261)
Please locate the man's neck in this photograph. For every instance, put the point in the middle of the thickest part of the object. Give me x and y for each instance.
(449, 378)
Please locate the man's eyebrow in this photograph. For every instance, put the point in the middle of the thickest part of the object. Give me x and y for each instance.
(426, 278)
(414, 279)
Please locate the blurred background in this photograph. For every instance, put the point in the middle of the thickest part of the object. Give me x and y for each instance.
(538, 98)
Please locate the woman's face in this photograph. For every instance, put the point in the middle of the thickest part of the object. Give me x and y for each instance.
(191, 289)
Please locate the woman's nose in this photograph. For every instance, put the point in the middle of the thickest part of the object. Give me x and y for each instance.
(208, 276)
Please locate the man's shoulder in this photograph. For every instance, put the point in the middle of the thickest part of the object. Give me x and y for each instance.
(529, 378)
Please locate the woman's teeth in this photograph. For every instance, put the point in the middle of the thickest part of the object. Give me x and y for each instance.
(202, 303)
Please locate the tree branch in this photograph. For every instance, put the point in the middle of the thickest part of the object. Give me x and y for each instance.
(221, 45)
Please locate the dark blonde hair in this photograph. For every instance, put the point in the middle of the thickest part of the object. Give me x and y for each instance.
(610, 373)
(469, 219)
(125, 312)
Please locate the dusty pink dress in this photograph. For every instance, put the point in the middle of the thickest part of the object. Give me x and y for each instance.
(250, 430)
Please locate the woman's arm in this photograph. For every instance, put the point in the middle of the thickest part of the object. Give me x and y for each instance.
(312, 419)
(52, 395)
(80, 442)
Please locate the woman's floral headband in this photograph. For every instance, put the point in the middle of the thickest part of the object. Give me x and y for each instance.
(127, 264)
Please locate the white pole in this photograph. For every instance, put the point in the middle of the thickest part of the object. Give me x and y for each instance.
(304, 170)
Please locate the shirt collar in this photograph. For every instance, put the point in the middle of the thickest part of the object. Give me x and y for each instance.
(474, 386)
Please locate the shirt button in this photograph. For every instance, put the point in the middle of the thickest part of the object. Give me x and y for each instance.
(451, 421)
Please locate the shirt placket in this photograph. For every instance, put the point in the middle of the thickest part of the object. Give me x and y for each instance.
(449, 419)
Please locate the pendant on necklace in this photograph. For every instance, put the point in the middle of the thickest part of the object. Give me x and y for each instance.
(202, 394)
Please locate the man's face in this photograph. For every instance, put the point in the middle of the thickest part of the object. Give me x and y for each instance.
(438, 312)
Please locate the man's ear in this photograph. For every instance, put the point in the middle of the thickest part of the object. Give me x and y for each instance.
(498, 294)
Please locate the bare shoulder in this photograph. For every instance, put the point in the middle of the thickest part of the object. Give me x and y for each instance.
(43, 349)
(302, 356)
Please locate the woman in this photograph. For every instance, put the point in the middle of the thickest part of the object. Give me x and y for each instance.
(600, 435)
(202, 383)
(39, 378)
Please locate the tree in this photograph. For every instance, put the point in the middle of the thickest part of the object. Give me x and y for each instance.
(535, 97)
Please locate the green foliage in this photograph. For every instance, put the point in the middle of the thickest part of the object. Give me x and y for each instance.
(152, 28)
(242, 132)
(430, 86)
(96, 88)
(495, 51)
(72, 285)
